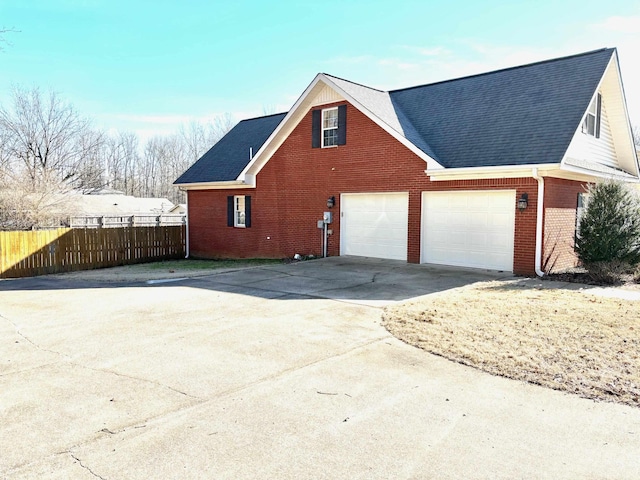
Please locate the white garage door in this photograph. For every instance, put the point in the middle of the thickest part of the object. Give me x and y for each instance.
(374, 225)
(469, 229)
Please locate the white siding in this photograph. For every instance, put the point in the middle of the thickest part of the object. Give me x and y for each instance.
(327, 95)
(600, 150)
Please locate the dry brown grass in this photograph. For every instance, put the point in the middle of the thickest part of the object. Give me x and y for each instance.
(563, 339)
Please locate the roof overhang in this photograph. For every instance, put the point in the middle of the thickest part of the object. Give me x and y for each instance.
(476, 173)
(555, 170)
(214, 185)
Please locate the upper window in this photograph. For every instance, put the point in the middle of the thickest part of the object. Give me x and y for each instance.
(240, 212)
(591, 124)
(330, 127)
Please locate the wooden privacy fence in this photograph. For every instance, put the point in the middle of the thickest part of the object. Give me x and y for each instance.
(29, 253)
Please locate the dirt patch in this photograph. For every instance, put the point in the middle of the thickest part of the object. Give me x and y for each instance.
(563, 338)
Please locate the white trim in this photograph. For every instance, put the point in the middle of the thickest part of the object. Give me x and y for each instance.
(475, 173)
(539, 222)
(187, 227)
(323, 129)
(297, 112)
(237, 210)
(612, 61)
(215, 185)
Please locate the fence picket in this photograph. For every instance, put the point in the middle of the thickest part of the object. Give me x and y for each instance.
(30, 253)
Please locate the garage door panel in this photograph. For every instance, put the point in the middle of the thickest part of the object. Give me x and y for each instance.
(469, 228)
(375, 225)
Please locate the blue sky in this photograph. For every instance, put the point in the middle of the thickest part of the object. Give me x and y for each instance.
(149, 66)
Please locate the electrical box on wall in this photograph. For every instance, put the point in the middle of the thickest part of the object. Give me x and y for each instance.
(320, 223)
(328, 217)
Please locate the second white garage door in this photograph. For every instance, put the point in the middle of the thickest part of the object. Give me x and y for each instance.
(374, 225)
(469, 229)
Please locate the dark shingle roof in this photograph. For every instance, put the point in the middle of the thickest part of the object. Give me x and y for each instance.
(517, 116)
(227, 158)
(521, 115)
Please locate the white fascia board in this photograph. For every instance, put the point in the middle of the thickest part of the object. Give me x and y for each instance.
(215, 185)
(613, 63)
(431, 162)
(614, 59)
(573, 172)
(475, 173)
(258, 162)
(292, 118)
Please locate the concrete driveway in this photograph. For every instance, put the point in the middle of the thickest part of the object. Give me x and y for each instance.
(273, 372)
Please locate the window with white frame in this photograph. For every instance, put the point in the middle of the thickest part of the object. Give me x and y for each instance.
(330, 127)
(591, 124)
(582, 205)
(240, 212)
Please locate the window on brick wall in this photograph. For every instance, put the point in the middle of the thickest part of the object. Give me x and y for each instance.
(582, 204)
(239, 211)
(591, 123)
(329, 127)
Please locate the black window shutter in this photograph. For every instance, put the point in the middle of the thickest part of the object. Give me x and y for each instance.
(598, 113)
(342, 125)
(247, 211)
(316, 131)
(230, 211)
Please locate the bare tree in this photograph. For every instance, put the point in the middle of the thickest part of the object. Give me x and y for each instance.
(220, 126)
(47, 136)
(636, 135)
(47, 150)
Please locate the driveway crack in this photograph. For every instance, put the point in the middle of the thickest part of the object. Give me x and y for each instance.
(131, 377)
(86, 467)
(27, 339)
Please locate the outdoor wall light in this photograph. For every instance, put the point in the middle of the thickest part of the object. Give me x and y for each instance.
(331, 201)
(523, 202)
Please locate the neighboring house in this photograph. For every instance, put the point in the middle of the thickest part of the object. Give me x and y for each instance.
(483, 171)
(112, 208)
(180, 208)
(117, 203)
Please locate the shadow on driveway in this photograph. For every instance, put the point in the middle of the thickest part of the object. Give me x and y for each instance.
(360, 280)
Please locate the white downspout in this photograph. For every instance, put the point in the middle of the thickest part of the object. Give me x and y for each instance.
(539, 224)
(187, 226)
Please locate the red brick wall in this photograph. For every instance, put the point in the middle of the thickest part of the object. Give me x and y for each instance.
(560, 203)
(293, 187)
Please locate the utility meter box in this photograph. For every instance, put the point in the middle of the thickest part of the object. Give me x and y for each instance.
(328, 217)
(320, 223)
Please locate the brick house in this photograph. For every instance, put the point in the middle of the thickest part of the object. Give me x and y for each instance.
(484, 171)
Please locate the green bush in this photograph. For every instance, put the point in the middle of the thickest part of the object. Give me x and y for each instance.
(610, 228)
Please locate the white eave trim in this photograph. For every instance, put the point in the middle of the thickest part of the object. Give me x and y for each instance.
(474, 173)
(214, 185)
(431, 162)
(585, 172)
(257, 163)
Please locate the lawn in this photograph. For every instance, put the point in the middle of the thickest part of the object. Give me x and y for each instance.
(166, 270)
(560, 338)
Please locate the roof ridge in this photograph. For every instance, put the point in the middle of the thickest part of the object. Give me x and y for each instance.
(540, 62)
(354, 83)
(263, 116)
